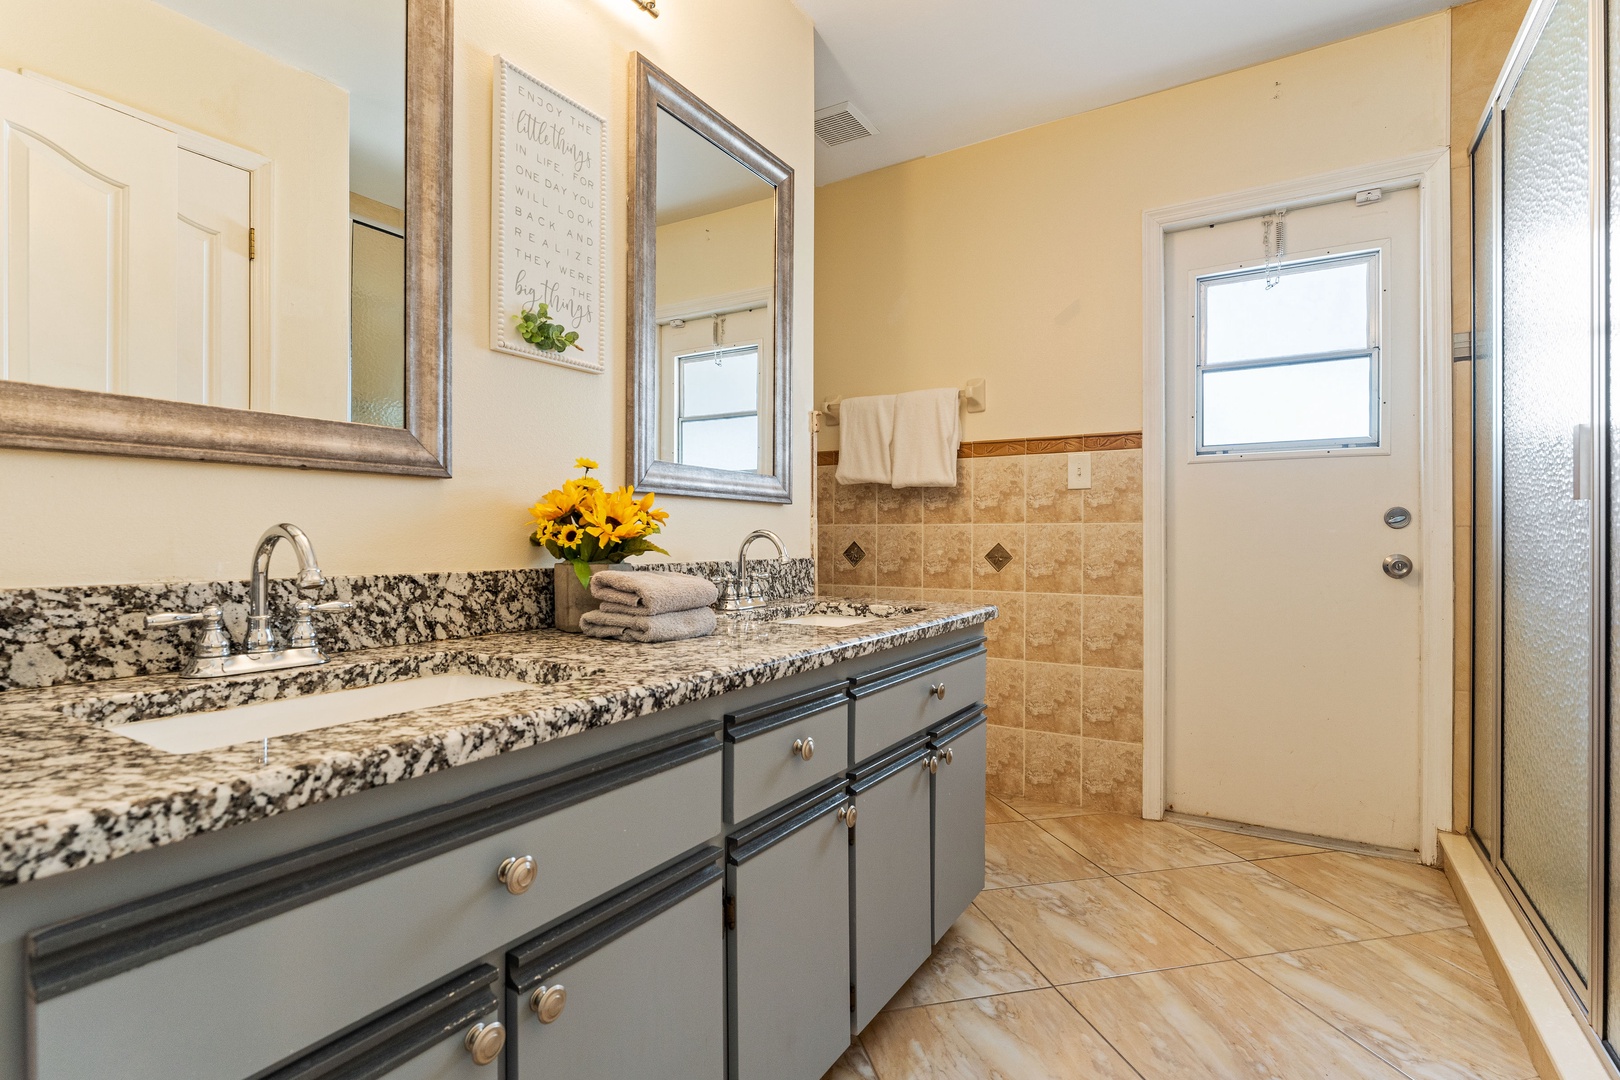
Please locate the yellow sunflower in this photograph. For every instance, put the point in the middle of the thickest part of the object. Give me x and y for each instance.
(586, 463)
(568, 536)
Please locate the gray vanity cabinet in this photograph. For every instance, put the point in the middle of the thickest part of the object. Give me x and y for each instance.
(450, 1032)
(895, 702)
(891, 874)
(958, 753)
(779, 749)
(633, 987)
(788, 949)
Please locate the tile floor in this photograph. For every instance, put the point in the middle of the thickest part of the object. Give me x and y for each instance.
(1106, 946)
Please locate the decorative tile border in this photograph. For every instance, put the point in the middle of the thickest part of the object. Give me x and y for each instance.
(1060, 444)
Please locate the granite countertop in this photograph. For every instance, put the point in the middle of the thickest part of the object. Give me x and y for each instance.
(73, 793)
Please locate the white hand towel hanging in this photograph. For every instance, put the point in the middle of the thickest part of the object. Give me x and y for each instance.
(867, 428)
(927, 434)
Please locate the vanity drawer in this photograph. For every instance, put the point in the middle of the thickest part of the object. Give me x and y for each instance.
(284, 954)
(777, 750)
(892, 704)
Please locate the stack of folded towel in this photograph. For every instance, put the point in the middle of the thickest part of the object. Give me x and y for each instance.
(650, 605)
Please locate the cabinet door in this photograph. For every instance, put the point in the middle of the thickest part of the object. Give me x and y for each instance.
(634, 987)
(789, 946)
(892, 879)
(958, 821)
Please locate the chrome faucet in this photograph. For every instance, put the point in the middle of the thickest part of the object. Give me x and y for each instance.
(212, 657)
(739, 595)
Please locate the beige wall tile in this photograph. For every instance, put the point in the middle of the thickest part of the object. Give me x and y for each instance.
(1462, 446)
(898, 557)
(1462, 658)
(1053, 767)
(1010, 578)
(1113, 705)
(1053, 628)
(945, 557)
(1053, 556)
(899, 506)
(863, 572)
(826, 484)
(949, 596)
(897, 595)
(1116, 486)
(1113, 632)
(1004, 692)
(1054, 696)
(1004, 775)
(824, 554)
(854, 504)
(1047, 496)
(1113, 776)
(1113, 559)
(1004, 635)
(998, 489)
(950, 505)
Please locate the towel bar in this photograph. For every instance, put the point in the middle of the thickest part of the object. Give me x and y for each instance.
(971, 396)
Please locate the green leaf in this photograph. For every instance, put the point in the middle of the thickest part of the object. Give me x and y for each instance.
(582, 570)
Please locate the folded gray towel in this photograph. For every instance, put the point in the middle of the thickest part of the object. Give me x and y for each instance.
(670, 626)
(652, 592)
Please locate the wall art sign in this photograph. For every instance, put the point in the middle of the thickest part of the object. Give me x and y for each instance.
(550, 189)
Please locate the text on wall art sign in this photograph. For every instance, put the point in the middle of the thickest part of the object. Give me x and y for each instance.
(547, 252)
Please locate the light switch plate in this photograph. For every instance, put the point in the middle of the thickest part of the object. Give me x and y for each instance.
(1079, 471)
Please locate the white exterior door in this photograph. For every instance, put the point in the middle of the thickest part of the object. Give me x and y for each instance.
(211, 282)
(1292, 656)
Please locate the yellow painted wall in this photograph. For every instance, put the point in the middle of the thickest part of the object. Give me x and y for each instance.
(1019, 260)
(714, 254)
(147, 56)
(518, 424)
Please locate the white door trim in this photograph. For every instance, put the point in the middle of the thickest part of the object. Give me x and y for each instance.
(1430, 173)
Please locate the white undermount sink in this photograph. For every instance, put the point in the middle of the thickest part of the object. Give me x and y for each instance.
(188, 733)
(820, 619)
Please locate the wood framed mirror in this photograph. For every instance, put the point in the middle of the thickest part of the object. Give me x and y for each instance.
(247, 210)
(711, 302)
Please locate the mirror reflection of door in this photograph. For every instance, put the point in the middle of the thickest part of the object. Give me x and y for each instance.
(205, 202)
(716, 246)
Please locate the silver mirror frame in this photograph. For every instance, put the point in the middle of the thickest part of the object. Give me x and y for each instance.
(655, 89)
(37, 417)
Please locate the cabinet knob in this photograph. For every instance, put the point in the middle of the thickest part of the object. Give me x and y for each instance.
(548, 1001)
(518, 873)
(485, 1042)
(804, 748)
(950, 755)
(931, 763)
(937, 690)
(846, 814)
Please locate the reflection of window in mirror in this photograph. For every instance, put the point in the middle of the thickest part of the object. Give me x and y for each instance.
(719, 372)
(226, 145)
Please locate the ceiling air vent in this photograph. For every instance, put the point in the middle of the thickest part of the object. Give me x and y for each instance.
(842, 123)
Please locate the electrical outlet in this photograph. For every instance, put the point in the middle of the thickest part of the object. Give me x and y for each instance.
(1079, 471)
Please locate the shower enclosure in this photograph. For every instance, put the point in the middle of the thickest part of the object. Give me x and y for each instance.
(1545, 513)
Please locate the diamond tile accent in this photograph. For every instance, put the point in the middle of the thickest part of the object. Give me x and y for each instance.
(854, 554)
(998, 557)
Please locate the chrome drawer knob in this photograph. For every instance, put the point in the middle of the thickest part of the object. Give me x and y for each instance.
(937, 690)
(804, 748)
(931, 763)
(548, 1001)
(950, 755)
(846, 814)
(518, 873)
(485, 1042)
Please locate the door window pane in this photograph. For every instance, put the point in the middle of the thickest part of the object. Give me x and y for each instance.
(1309, 309)
(1321, 401)
(730, 443)
(726, 382)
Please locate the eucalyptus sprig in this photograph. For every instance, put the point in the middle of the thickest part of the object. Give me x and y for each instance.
(535, 326)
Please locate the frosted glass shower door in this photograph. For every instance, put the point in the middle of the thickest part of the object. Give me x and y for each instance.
(1547, 517)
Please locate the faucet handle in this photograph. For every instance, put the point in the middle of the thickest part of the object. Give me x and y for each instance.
(212, 643)
(303, 628)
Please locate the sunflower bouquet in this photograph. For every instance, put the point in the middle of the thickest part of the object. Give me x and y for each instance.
(584, 523)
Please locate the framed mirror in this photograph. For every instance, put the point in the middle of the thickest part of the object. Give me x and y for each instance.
(225, 231)
(711, 302)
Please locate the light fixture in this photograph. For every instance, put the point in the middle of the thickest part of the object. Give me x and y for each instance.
(649, 6)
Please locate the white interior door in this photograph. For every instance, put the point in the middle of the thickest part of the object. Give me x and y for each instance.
(211, 282)
(87, 212)
(1292, 656)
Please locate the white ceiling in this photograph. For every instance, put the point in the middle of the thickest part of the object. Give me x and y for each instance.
(933, 75)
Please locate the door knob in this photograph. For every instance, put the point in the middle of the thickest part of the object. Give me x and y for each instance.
(485, 1042)
(517, 874)
(548, 1001)
(804, 748)
(1397, 566)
